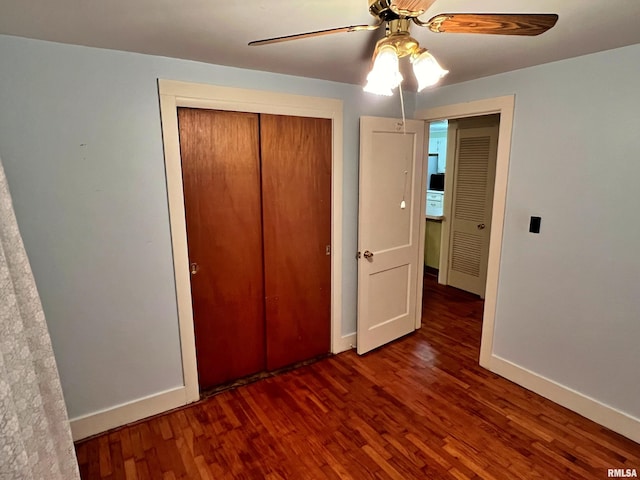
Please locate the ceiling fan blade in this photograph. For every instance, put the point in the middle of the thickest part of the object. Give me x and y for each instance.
(410, 7)
(317, 33)
(529, 24)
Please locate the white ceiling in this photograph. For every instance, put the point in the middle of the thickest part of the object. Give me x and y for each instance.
(218, 32)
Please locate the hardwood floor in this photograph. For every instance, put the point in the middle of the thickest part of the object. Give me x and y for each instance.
(420, 408)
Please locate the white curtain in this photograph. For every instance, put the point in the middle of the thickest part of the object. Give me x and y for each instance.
(35, 439)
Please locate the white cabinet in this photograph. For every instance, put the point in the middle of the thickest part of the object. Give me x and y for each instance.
(434, 203)
(438, 144)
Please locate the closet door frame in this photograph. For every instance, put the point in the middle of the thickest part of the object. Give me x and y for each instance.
(174, 94)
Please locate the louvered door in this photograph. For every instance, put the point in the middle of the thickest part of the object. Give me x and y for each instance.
(474, 176)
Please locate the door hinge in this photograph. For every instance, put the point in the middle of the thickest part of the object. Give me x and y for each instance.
(327, 250)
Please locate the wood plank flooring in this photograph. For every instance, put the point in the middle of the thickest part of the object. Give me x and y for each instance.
(420, 408)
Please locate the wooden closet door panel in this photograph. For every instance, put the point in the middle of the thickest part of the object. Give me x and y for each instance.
(296, 187)
(221, 178)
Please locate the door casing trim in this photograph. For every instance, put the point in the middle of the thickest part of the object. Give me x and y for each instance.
(174, 94)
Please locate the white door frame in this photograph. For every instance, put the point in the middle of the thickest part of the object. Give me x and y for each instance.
(505, 107)
(174, 94)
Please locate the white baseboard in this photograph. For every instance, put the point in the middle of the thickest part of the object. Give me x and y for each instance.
(98, 422)
(588, 407)
(344, 343)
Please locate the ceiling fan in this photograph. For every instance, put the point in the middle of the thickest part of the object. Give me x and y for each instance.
(398, 15)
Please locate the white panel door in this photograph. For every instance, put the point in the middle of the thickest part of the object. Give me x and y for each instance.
(391, 213)
(474, 176)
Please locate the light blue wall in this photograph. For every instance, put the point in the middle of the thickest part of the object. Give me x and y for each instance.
(81, 143)
(568, 299)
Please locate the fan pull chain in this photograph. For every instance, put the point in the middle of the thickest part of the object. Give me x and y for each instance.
(404, 123)
(403, 204)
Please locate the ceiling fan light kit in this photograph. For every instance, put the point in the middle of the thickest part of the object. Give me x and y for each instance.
(385, 74)
(398, 43)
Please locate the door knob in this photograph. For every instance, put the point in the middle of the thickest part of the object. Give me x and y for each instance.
(368, 254)
(481, 226)
(193, 268)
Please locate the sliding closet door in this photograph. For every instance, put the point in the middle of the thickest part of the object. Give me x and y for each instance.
(221, 178)
(296, 188)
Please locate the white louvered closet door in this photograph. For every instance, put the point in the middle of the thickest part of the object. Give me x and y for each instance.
(475, 163)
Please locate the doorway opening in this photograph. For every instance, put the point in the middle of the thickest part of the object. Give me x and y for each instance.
(504, 107)
(458, 212)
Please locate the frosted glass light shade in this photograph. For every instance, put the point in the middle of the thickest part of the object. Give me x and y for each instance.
(385, 74)
(427, 70)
